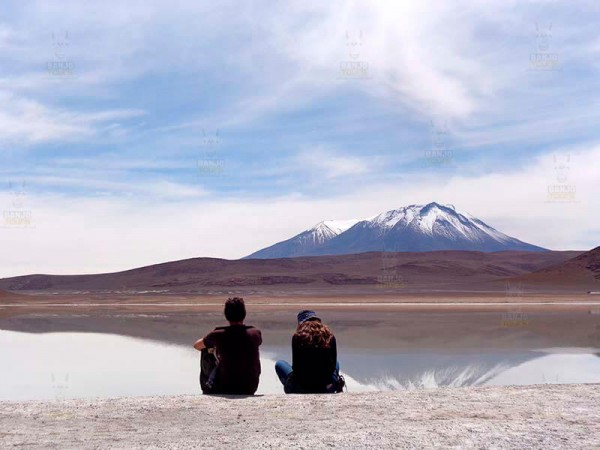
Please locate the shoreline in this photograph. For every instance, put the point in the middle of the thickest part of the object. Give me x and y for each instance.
(401, 322)
(539, 416)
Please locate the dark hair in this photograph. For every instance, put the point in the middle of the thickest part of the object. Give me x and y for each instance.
(235, 309)
(313, 333)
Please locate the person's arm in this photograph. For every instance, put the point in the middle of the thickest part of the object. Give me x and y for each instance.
(259, 338)
(207, 341)
(333, 350)
(294, 351)
(199, 344)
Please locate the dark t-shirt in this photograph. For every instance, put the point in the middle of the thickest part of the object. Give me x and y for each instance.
(313, 367)
(239, 363)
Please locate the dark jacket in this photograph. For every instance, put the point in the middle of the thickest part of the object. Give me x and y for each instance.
(313, 367)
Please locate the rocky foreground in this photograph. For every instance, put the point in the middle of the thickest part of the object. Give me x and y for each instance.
(548, 416)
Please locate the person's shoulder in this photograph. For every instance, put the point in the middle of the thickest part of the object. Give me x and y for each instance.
(215, 336)
(253, 330)
(217, 331)
(254, 335)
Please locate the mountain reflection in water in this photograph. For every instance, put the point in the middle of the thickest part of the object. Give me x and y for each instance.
(83, 365)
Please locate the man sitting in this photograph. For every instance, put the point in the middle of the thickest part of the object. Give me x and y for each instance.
(237, 368)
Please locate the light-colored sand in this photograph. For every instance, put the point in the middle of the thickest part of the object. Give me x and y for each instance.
(559, 416)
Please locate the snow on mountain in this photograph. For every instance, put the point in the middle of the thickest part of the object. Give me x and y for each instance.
(391, 218)
(307, 242)
(410, 228)
(328, 229)
(339, 226)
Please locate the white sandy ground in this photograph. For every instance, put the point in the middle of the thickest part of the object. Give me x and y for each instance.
(545, 416)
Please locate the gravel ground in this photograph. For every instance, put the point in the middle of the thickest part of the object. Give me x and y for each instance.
(548, 416)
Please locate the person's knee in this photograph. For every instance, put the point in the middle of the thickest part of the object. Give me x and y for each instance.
(279, 366)
(282, 368)
(282, 365)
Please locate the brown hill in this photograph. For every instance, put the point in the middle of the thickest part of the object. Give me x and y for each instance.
(358, 273)
(10, 297)
(582, 271)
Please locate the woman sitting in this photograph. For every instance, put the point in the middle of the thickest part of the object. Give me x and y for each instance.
(314, 368)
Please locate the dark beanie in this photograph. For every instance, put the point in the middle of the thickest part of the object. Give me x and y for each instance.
(305, 315)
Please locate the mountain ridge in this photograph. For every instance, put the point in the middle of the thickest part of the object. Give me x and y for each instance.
(429, 227)
(358, 273)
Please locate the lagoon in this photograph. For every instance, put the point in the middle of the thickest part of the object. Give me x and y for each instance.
(38, 366)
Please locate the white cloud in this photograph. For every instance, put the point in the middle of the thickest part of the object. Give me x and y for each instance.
(156, 189)
(26, 121)
(322, 163)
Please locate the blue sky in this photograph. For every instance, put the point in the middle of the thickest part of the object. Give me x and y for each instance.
(139, 132)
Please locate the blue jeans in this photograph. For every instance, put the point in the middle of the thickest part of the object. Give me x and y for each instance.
(284, 370)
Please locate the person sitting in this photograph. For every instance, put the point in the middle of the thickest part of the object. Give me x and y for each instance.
(236, 361)
(314, 368)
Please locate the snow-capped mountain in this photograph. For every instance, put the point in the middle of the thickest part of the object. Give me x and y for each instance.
(307, 242)
(414, 228)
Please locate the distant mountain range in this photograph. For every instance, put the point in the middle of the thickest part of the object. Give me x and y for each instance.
(414, 228)
(357, 274)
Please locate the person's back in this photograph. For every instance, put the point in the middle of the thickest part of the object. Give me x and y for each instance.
(313, 365)
(236, 348)
(238, 371)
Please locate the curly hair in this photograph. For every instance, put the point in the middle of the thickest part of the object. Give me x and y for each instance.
(314, 333)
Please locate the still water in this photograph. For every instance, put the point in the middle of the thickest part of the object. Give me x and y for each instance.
(82, 365)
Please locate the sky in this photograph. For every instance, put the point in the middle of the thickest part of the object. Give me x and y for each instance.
(133, 133)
